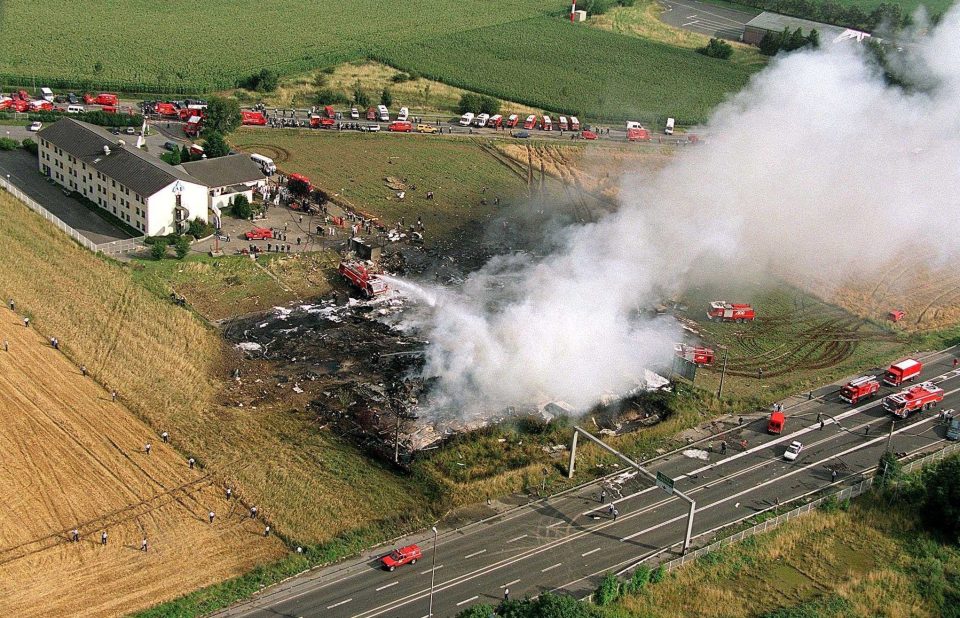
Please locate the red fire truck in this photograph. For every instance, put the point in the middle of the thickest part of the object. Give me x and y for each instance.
(361, 278)
(776, 422)
(638, 135)
(321, 122)
(919, 397)
(253, 118)
(694, 354)
(722, 310)
(903, 371)
(860, 388)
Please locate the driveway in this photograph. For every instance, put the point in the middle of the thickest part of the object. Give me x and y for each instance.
(706, 18)
(20, 168)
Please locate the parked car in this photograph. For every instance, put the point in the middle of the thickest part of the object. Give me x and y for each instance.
(258, 233)
(130, 131)
(589, 135)
(793, 450)
(401, 556)
(522, 134)
(373, 128)
(171, 146)
(73, 99)
(35, 126)
(426, 128)
(354, 113)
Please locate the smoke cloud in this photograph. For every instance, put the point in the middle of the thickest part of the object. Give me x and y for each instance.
(817, 168)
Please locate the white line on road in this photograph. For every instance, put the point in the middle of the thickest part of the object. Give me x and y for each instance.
(476, 553)
(339, 604)
(559, 523)
(473, 598)
(387, 586)
(550, 568)
(436, 568)
(517, 538)
(516, 581)
(592, 551)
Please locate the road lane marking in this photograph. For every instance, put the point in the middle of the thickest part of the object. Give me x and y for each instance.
(473, 598)
(387, 586)
(476, 553)
(592, 551)
(339, 604)
(436, 568)
(522, 536)
(550, 568)
(516, 581)
(555, 524)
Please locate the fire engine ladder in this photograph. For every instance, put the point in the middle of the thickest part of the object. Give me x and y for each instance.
(577, 431)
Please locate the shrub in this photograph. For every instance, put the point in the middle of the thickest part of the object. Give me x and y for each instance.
(29, 145)
(489, 105)
(469, 102)
(386, 97)
(200, 228)
(608, 591)
(658, 575)
(481, 610)
(158, 250)
(241, 208)
(173, 157)
(717, 49)
(8, 144)
(640, 578)
(942, 505)
(399, 78)
(181, 247)
(215, 145)
(264, 81)
(328, 96)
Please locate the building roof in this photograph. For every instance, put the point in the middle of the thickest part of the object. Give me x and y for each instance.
(225, 171)
(131, 167)
(775, 22)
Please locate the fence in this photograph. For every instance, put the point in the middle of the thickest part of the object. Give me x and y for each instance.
(115, 247)
(770, 524)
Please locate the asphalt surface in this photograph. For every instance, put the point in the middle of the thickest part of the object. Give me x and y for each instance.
(710, 19)
(566, 543)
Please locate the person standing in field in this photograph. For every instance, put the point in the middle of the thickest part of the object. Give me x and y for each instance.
(191, 462)
(143, 545)
(26, 322)
(103, 537)
(147, 447)
(75, 536)
(212, 516)
(13, 305)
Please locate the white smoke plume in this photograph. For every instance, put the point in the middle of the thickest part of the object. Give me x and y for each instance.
(817, 167)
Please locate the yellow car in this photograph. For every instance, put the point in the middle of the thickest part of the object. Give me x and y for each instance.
(426, 128)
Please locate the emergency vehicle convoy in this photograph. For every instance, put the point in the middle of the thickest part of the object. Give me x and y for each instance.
(919, 397)
(726, 312)
(859, 388)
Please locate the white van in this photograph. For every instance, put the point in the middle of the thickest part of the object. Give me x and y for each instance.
(466, 119)
(633, 125)
(481, 120)
(75, 109)
(669, 128)
(382, 113)
(266, 164)
(403, 115)
(46, 94)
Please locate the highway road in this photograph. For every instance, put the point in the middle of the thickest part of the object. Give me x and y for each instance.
(567, 542)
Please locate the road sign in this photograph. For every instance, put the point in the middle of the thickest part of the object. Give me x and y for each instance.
(664, 482)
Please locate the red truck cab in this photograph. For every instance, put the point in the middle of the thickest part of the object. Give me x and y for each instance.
(401, 556)
(776, 422)
(859, 388)
(919, 397)
(901, 372)
(259, 233)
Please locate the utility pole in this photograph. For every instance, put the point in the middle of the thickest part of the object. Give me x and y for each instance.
(433, 571)
(723, 372)
(890, 436)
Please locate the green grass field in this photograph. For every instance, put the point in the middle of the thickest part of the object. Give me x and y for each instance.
(549, 63)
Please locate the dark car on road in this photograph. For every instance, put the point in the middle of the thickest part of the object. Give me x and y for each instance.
(522, 134)
(171, 146)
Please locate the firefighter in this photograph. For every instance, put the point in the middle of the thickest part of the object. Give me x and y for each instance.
(833, 475)
(266, 531)
(165, 437)
(26, 322)
(253, 512)
(211, 515)
(147, 447)
(75, 536)
(103, 537)
(191, 462)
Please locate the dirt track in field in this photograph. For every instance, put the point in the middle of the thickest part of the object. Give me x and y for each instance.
(73, 458)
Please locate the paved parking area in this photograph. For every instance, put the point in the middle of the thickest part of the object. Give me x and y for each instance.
(20, 168)
(710, 19)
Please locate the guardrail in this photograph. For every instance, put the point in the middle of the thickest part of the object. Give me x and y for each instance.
(116, 247)
(844, 494)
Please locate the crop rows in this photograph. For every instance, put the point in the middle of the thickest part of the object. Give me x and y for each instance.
(550, 63)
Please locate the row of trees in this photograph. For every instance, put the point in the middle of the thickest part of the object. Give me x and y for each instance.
(773, 43)
(834, 12)
(478, 104)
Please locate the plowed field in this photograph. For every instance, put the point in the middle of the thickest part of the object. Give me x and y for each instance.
(72, 458)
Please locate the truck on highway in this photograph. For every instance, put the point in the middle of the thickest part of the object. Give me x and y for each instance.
(727, 312)
(919, 397)
(859, 388)
(901, 372)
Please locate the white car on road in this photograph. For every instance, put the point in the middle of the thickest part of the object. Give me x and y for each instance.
(36, 126)
(793, 450)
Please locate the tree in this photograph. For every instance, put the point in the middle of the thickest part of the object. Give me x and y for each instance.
(158, 250)
(30, 146)
(942, 506)
(7, 143)
(386, 97)
(489, 105)
(559, 606)
(608, 590)
(215, 146)
(264, 81)
(717, 49)
(481, 610)
(172, 157)
(469, 102)
(181, 247)
(241, 207)
(223, 116)
(360, 97)
(185, 155)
